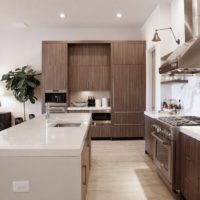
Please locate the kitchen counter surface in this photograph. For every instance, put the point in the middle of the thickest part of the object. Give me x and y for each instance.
(36, 137)
(192, 131)
(88, 108)
(155, 114)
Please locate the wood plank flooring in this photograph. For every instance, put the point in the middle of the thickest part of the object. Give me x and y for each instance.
(122, 171)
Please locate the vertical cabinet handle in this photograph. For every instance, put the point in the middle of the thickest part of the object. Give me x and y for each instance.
(84, 167)
(65, 84)
(113, 94)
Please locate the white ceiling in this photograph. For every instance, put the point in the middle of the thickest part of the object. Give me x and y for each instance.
(79, 13)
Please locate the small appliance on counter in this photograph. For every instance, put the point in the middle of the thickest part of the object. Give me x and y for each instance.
(98, 103)
(104, 102)
(56, 101)
(91, 101)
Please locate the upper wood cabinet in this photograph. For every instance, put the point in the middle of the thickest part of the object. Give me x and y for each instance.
(90, 54)
(128, 53)
(89, 67)
(54, 65)
(89, 78)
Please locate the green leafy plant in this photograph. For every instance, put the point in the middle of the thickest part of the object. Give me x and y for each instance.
(22, 81)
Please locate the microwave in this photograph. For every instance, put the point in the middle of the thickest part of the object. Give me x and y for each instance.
(56, 96)
(56, 101)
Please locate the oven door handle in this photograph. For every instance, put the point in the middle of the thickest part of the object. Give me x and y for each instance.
(160, 140)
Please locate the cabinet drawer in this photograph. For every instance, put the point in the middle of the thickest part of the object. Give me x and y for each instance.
(126, 131)
(128, 118)
(101, 131)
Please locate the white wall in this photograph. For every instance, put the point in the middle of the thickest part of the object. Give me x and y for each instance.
(178, 21)
(160, 18)
(188, 93)
(23, 46)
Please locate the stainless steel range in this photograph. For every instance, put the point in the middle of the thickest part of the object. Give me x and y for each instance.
(166, 147)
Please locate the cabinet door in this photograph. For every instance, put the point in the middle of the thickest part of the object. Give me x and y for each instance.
(149, 145)
(54, 65)
(89, 66)
(128, 53)
(89, 78)
(100, 79)
(189, 167)
(79, 78)
(101, 131)
(128, 88)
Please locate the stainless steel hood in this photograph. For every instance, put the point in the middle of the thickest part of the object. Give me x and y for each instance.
(184, 60)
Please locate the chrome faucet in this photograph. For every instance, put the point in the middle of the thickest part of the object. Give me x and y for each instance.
(47, 111)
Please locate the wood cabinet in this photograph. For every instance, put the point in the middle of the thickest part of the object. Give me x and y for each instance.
(190, 168)
(89, 67)
(149, 145)
(54, 65)
(101, 130)
(128, 53)
(86, 164)
(89, 78)
(128, 74)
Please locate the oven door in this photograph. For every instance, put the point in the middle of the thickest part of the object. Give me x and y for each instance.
(163, 158)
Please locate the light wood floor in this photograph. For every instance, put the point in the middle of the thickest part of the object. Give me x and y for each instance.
(122, 171)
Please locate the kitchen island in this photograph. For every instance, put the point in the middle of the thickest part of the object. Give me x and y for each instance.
(46, 159)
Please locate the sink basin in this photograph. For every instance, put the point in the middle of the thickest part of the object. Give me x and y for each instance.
(59, 125)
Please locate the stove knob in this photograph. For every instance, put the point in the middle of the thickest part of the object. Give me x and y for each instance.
(169, 134)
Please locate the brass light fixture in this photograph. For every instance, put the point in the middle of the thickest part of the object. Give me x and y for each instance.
(156, 37)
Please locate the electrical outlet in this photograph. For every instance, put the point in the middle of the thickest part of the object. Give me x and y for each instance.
(21, 186)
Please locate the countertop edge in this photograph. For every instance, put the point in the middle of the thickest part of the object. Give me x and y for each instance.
(195, 134)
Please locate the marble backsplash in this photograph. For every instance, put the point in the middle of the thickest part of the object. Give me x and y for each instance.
(189, 94)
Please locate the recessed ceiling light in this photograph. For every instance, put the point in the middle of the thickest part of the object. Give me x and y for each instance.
(119, 15)
(62, 15)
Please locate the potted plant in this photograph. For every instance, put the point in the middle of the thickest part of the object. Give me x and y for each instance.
(22, 81)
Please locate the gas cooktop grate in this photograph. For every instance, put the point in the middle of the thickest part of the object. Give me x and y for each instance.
(181, 121)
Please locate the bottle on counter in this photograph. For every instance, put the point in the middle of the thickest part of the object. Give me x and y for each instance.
(179, 104)
(89, 101)
(93, 101)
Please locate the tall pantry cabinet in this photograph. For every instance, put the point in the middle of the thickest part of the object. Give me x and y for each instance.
(128, 89)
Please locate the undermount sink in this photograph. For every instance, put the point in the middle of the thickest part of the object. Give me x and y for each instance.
(60, 125)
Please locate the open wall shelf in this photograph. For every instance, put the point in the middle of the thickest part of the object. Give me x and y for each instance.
(174, 81)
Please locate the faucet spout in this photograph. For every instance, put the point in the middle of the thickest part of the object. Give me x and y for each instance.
(47, 111)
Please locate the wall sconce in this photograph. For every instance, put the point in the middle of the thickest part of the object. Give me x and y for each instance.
(156, 37)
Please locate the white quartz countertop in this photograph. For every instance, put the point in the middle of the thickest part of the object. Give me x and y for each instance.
(192, 131)
(155, 114)
(89, 108)
(36, 137)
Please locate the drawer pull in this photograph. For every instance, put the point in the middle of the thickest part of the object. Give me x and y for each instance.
(84, 167)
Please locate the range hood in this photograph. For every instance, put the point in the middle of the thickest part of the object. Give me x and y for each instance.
(186, 58)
